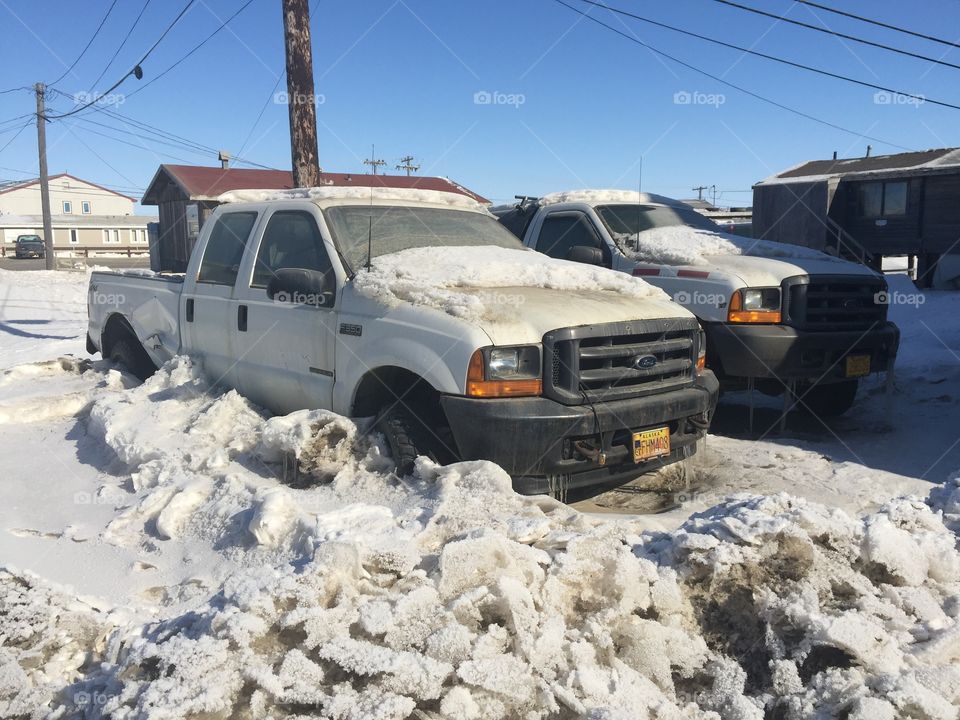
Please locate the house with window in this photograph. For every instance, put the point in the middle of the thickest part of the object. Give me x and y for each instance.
(869, 208)
(84, 215)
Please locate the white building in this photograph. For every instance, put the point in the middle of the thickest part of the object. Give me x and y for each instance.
(84, 215)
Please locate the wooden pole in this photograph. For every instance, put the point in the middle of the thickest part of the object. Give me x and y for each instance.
(49, 260)
(301, 105)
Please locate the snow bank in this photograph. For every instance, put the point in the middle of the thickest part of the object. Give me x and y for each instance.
(454, 279)
(449, 596)
(319, 194)
(682, 245)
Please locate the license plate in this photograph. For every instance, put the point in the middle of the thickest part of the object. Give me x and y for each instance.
(651, 444)
(857, 365)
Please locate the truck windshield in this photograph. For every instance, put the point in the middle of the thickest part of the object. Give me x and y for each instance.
(29, 239)
(398, 228)
(633, 219)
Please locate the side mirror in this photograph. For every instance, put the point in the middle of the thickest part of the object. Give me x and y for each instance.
(298, 286)
(585, 254)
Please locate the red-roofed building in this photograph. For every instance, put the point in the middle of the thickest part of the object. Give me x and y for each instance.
(187, 194)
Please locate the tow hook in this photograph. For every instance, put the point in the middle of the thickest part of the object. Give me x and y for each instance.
(591, 453)
(701, 421)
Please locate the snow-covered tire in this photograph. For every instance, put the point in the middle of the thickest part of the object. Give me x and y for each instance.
(831, 400)
(134, 358)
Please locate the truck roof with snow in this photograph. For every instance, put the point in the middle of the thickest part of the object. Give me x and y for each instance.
(787, 319)
(418, 309)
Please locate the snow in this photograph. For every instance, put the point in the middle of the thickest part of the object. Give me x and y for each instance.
(683, 245)
(449, 279)
(601, 197)
(170, 550)
(330, 193)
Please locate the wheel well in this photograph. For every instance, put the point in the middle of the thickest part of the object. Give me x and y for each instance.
(116, 327)
(387, 385)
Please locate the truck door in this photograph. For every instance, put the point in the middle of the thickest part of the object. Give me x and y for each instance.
(285, 347)
(562, 232)
(207, 305)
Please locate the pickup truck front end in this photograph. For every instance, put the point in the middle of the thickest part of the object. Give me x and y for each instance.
(609, 402)
(826, 328)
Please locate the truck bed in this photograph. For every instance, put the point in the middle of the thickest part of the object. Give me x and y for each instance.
(149, 303)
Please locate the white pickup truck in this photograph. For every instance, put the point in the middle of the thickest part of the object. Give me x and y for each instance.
(777, 317)
(419, 309)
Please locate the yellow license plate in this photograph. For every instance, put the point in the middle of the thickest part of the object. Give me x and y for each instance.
(857, 365)
(651, 444)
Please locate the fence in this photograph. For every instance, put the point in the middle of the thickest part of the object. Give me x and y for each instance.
(9, 250)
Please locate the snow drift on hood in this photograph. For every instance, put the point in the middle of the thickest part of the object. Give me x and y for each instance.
(448, 278)
(682, 245)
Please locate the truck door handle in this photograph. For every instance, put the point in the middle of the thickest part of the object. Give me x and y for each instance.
(242, 318)
(189, 310)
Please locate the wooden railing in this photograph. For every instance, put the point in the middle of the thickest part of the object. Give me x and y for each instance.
(9, 250)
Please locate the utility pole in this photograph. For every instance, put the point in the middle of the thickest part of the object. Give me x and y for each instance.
(300, 93)
(48, 257)
(406, 164)
(699, 190)
(373, 161)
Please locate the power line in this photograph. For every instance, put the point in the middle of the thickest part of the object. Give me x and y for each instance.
(192, 50)
(931, 38)
(122, 44)
(828, 31)
(16, 135)
(783, 61)
(727, 83)
(136, 70)
(87, 46)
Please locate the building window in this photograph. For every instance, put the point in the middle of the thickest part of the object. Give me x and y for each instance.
(74, 236)
(85, 207)
(116, 236)
(106, 236)
(67, 207)
(883, 199)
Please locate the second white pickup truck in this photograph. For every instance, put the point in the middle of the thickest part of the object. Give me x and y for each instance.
(419, 309)
(777, 317)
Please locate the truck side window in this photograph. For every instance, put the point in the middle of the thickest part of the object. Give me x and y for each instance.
(559, 233)
(221, 259)
(291, 240)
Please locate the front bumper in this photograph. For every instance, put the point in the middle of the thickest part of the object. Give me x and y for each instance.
(781, 351)
(532, 438)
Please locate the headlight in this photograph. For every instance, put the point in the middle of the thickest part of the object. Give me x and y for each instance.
(755, 305)
(701, 349)
(505, 372)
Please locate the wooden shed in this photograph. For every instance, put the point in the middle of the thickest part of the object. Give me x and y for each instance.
(868, 208)
(186, 195)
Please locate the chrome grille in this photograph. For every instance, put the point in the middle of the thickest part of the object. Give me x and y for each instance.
(614, 361)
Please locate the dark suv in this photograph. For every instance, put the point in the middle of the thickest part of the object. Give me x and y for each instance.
(29, 246)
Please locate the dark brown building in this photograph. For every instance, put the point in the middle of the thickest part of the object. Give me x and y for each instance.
(867, 208)
(187, 194)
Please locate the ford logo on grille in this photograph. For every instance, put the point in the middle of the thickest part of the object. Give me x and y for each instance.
(643, 362)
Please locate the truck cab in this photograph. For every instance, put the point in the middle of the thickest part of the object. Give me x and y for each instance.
(419, 310)
(778, 317)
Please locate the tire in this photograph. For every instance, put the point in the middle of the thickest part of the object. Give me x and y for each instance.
(831, 400)
(133, 357)
(409, 437)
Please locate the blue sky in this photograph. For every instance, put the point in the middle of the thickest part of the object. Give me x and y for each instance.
(577, 107)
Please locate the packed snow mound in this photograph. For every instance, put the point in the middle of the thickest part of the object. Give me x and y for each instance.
(605, 197)
(683, 245)
(330, 192)
(456, 280)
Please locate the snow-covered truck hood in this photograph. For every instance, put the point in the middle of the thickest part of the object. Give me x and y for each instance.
(514, 296)
(755, 262)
